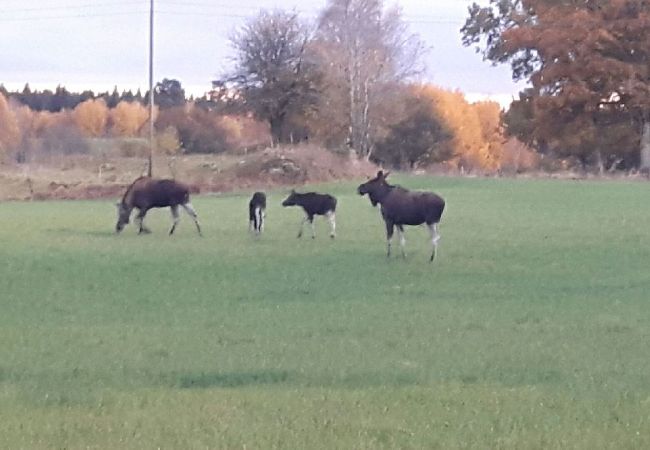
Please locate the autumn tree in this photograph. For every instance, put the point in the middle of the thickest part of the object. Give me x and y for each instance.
(9, 131)
(489, 118)
(128, 118)
(273, 78)
(587, 63)
(91, 117)
(198, 130)
(419, 137)
(469, 148)
(364, 48)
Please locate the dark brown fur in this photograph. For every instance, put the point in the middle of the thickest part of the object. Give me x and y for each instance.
(255, 218)
(313, 204)
(401, 207)
(146, 193)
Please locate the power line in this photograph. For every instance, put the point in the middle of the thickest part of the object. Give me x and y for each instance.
(69, 7)
(226, 5)
(173, 12)
(432, 21)
(71, 16)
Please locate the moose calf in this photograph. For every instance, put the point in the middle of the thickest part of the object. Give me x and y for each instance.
(257, 212)
(314, 204)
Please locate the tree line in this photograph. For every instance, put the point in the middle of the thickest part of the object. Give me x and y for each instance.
(347, 82)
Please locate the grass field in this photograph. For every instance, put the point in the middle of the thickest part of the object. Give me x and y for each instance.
(530, 331)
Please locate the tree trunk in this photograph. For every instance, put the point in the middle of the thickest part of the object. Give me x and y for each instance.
(276, 124)
(644, 164)
(600, 163)
(365, 128)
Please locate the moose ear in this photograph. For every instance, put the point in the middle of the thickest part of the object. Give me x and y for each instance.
(380, 173)
(386, 174)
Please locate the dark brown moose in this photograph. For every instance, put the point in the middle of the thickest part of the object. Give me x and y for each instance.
(146, 193)
(257, 212)
(314, 204)
(401, 207)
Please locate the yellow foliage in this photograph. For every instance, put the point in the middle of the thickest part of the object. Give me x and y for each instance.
(128, 118)
(44, 120)
(477, 134)
(9, 130)
(91, 117)
(168, 142)
(489, 115)
(232, 126)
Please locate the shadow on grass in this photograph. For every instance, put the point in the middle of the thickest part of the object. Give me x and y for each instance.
(78, 232)
(362, 380)
(269, 377)
(231, 380)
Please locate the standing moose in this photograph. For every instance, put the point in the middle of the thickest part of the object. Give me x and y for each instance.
(314, 204)
(401, 207)
(257, 212)
(146, 193)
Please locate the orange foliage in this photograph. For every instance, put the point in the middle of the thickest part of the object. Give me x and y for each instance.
(475, 127)
(91, 117)
(45, 120)
(9, 131)
(128, 118)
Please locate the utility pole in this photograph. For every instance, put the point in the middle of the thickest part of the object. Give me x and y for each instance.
(152, 142)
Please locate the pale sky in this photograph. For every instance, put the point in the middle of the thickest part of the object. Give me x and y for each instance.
(86, 44)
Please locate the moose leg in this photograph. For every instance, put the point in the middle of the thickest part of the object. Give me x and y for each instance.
(389, 236)
(302, 224)
(435, 237)
(331, 216)
(402, 239)
(175, 218)
(189, 209)
(259, 219)
(139, 219)
(313, 227)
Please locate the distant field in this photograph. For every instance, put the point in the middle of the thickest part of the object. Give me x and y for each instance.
(531, 330)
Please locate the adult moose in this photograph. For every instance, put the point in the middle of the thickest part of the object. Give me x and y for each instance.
(313, 204)
(146, 193)
(401, 207)
(256, 212)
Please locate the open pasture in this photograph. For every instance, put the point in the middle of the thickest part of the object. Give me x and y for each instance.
(530, 330)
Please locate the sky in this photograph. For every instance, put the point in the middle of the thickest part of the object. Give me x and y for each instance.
(100, 44)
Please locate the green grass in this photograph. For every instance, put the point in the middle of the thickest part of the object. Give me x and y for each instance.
(530, 330)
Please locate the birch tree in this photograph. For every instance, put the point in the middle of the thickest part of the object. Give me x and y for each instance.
(363, 49)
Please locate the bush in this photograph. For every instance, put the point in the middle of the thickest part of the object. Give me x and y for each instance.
(134, 148)
(419, 138)
(62, 139)
(199, 130)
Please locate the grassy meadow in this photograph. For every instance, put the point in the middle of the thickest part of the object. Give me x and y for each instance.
(530, 331)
